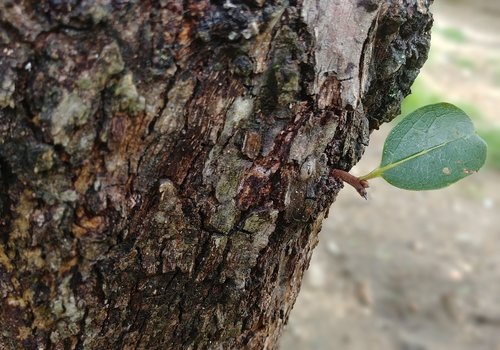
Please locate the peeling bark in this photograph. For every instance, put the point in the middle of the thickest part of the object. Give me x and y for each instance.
(165, 166)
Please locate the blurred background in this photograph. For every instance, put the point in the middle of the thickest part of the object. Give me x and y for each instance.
(418, 270)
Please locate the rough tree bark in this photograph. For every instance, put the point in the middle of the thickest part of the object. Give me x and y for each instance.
(165, 164)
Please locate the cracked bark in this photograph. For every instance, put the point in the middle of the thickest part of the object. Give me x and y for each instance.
(165, 165)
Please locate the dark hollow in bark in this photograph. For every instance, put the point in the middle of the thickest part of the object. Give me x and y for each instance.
(165, 165)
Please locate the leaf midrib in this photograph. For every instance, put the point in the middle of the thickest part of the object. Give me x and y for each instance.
(380, 171)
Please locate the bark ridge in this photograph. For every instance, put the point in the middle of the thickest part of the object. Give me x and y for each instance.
(164, 165)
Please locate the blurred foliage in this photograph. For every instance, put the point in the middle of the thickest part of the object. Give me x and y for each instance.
(464, 63)
(452, 34)
(492, 138)
(496, 73)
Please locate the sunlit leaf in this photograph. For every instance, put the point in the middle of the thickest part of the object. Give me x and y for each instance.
(432, 147)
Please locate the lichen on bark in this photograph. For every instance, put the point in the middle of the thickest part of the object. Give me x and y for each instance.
(165, 165)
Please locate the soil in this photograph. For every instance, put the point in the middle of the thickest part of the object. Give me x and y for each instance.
(415, 270)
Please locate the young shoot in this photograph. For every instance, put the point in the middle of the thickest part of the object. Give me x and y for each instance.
(430, 148)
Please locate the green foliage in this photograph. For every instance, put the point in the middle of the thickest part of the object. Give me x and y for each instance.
(431, 148)
(464, 63)
(492, 138)
(453, 34)
(421, 95)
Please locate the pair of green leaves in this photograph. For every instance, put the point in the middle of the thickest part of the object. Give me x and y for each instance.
(431, 148)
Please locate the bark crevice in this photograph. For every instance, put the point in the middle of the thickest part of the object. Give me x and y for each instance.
(165, 166)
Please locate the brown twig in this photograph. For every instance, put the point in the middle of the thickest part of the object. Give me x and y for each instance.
(359, 185)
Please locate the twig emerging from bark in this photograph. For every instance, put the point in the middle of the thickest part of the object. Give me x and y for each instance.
(359, 185)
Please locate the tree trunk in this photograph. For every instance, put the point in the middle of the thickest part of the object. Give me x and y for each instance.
(165, 165)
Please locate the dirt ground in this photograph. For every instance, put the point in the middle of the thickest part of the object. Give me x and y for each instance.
(416, 270)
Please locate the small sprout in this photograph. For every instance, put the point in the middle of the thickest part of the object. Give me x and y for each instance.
(431, 148)
(359, 185)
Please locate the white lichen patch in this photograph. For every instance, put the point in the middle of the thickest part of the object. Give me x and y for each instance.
(128, 96)
(69, 196)
(248, 245)
(7, 88)
(303, 146)
(75, 108)
(72, 111)
(67, 310)
(240, 110)
(65, 304)
(224, 217)
(172, 118)
(110, 62)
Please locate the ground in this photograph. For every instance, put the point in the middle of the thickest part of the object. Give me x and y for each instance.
(417, 270)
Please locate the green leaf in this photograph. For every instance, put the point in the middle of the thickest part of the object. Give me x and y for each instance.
(431, 148)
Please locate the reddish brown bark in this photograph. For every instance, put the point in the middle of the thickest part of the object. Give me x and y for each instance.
(165, 165)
